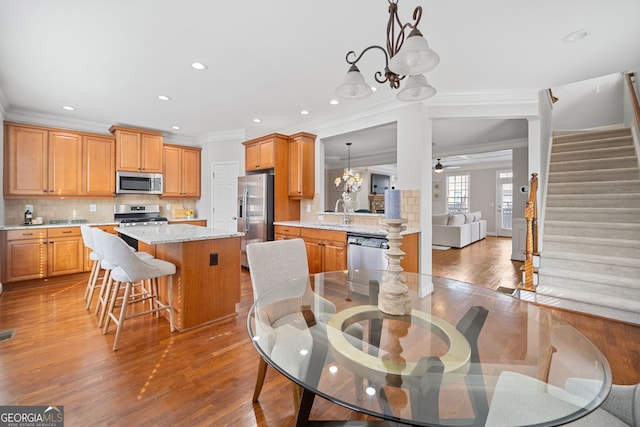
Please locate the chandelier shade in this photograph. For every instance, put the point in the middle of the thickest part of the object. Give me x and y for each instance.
(354, 86)
(416, 89)
(415, 56)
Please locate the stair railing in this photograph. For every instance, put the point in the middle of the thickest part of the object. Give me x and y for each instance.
(634, 96)
(531, 215)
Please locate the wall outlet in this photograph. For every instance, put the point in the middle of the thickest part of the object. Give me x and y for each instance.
(28, 208)
(168, 206)
(92, 208)
(320, 217)
(308, 207)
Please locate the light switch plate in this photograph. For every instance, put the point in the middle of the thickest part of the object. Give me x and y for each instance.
(308, 207)
(92, 208)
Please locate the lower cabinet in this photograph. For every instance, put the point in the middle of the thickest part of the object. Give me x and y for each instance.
(326, 249)
(40, 253)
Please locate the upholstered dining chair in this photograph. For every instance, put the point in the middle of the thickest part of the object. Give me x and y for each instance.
(520, 400)
(272, 264)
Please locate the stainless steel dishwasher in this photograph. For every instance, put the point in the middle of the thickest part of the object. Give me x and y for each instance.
(366, 252)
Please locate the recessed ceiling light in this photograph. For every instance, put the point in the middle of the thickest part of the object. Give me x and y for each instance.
(199, 66)
(257, 120)
(175, 127)
(334, 102)
(304, 112)
(575, 36)
(68, 108)
(164, 98)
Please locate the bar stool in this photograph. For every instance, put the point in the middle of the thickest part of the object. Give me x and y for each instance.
(87, 238)
(107, 266)
(129, 270)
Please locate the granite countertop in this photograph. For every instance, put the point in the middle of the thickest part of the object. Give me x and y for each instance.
(78, 223)
(379, 230)
(175, 233)
(58, 225)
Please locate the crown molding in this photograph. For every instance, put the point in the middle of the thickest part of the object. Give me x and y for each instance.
(222, 136)
(56, 121)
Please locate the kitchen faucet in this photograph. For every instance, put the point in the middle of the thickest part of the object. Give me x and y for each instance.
(345, 216)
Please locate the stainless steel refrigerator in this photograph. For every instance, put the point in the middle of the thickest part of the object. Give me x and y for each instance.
(255, 210)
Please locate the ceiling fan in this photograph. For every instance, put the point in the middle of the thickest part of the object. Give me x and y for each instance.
(439, 167)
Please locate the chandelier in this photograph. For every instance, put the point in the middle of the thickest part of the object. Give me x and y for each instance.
(411, 57)
(350, 182)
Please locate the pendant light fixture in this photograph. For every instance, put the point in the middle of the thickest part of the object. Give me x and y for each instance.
(350, 182)
(438, 168)
(403, 57)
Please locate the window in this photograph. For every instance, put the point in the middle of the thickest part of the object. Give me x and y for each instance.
(458, 193)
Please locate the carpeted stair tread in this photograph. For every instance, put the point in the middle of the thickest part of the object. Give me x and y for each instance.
(594, 187)
(599, 175)
(623, 141)
(593, 214)
(587, 135)
(590, 281)
(631, 200)
(619, 303)
(592, 263)
(610, 230)
(610, 163)
(593, 241)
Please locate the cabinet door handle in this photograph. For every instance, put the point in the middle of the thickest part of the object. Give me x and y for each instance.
(27, 234)
(66, 232)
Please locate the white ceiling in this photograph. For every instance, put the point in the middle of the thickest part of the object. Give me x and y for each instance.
(271, 59)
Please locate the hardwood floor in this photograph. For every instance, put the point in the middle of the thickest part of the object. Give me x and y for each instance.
(201, 377)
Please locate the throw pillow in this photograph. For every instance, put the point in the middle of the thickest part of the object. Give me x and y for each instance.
(468, 218)
(442, 219)
(477, 216)
(457, 219)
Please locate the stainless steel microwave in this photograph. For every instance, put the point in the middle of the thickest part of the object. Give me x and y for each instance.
(138, 183)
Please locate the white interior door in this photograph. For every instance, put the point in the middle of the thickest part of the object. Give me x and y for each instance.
(504, 203)
(225, 192)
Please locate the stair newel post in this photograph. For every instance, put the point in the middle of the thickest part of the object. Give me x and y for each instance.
(530, 214)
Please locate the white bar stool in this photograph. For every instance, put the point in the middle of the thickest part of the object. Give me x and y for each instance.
(87, 238)
(129, 270)
(107, 266)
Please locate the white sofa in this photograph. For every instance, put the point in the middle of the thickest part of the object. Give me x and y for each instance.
(458, 230)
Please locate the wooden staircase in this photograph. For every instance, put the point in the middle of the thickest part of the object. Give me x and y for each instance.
(591, 243)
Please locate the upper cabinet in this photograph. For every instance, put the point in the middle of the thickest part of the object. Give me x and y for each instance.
(138, 150)
(302, 166)
(45, 162)
(260, 153)
(181, 172)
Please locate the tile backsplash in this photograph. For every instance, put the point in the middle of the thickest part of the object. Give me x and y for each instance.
(55, 209)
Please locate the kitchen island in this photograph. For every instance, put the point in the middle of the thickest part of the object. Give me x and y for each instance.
(206, 286)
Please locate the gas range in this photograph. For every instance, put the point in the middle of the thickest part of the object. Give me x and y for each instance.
(138, 215)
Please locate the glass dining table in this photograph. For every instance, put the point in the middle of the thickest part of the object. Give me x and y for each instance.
(466, 355)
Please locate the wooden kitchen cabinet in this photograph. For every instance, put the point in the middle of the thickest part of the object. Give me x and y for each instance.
(99, 177)
(25, 254)
(65, 251)
(41, 162)
(284, 232)
(138, 150)
(275, 147)
(47, 162)
(181, 172)
(40, 252)
(326, 249)
(302, 166)
(260, 154)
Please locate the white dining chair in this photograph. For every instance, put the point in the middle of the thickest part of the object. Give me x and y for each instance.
(131, 269)
(271, 265)
(520, 400)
